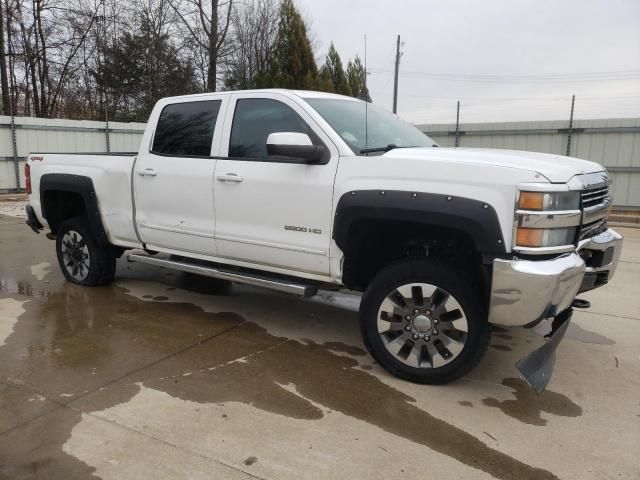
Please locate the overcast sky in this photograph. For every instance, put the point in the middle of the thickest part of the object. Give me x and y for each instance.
(505, 60)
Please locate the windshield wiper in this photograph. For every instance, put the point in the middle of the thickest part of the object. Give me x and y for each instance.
(387, 148)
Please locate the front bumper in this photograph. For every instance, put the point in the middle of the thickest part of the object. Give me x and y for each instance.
(524, 292)
(601, 254)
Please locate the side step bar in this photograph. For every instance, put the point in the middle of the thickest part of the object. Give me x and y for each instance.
(273, 283)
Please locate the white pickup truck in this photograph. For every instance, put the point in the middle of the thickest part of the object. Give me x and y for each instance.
(303, 191)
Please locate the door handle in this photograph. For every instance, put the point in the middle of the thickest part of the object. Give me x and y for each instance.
(230, 177)
(147, 172)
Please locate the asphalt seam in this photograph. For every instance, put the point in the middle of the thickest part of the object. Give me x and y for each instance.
(58, 406)
(609, 315)
(155, 362)
(229, 362)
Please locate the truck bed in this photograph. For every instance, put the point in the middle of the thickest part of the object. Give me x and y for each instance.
(110, 174)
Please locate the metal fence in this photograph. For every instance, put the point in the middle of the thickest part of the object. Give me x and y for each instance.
(615, 143)
(21, 135)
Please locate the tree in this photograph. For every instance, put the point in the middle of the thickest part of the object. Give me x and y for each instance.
(99, 59)
(292, 61)
(208, 25)
(44, 39)
(357, 78)
(255, 29)
(4, 75)
(333, 68)
(142, 68)
(325, 82)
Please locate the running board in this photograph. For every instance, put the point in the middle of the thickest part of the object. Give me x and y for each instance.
(273, 283)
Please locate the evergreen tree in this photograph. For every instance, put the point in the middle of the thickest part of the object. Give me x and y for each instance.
(333, 66)
(141, 68)
(292, 62)
(325, 83)
(356, 76)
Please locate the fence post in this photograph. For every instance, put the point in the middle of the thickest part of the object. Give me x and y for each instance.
(14, 145)
(570, 130)
(106, 135)
(458, 125)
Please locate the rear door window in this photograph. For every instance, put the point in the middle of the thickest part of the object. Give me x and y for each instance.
(186, 129)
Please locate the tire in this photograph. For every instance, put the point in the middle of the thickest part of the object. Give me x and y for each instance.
(415, 307)
(81, 259)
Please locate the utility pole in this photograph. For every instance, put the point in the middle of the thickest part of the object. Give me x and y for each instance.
(395, 79)
(570, 131)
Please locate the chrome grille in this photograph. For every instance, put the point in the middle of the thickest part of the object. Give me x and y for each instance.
(594, 228)
(595, 205)
(595, 196)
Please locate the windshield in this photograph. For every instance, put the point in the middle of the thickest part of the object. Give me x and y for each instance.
(383, 129)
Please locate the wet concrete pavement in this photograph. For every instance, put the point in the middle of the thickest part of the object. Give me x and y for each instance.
(165, 375)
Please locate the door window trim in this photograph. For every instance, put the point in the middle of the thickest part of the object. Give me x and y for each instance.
(273, 159)
(217, 127)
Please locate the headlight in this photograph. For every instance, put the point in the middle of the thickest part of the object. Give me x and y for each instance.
(543, 201)
(546, 221)
(545, 237)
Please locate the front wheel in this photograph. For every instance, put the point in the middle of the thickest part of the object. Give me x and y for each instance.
(82, 259)
(424, 321)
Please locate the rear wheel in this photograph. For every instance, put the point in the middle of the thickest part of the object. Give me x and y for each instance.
(424, 321)
(81, 259)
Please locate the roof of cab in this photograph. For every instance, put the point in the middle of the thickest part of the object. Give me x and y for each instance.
(298, 93)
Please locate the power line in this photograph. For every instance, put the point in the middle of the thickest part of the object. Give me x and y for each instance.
(500, 99)
(518, 78)
(527, 75)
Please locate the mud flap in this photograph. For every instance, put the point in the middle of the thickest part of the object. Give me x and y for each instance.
(537, 367)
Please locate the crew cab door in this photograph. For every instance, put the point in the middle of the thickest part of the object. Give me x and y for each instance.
(173, 175)
(269, 210)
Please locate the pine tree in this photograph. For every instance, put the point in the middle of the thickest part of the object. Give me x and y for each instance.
(292, 63)
(325, 83)
(356, 76)
(141, 68)
(333, 66)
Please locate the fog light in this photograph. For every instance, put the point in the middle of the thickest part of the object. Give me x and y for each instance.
(545, 237)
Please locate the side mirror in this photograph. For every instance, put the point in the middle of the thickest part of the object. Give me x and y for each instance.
(295, 146)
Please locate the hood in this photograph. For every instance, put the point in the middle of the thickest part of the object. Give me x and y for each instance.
(556, 168)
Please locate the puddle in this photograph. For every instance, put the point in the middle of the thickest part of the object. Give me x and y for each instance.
(343, 347)
(20, 287)
(79, 339)
(504, 336)
(576, 332)
(528, 406)
(502, 348)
